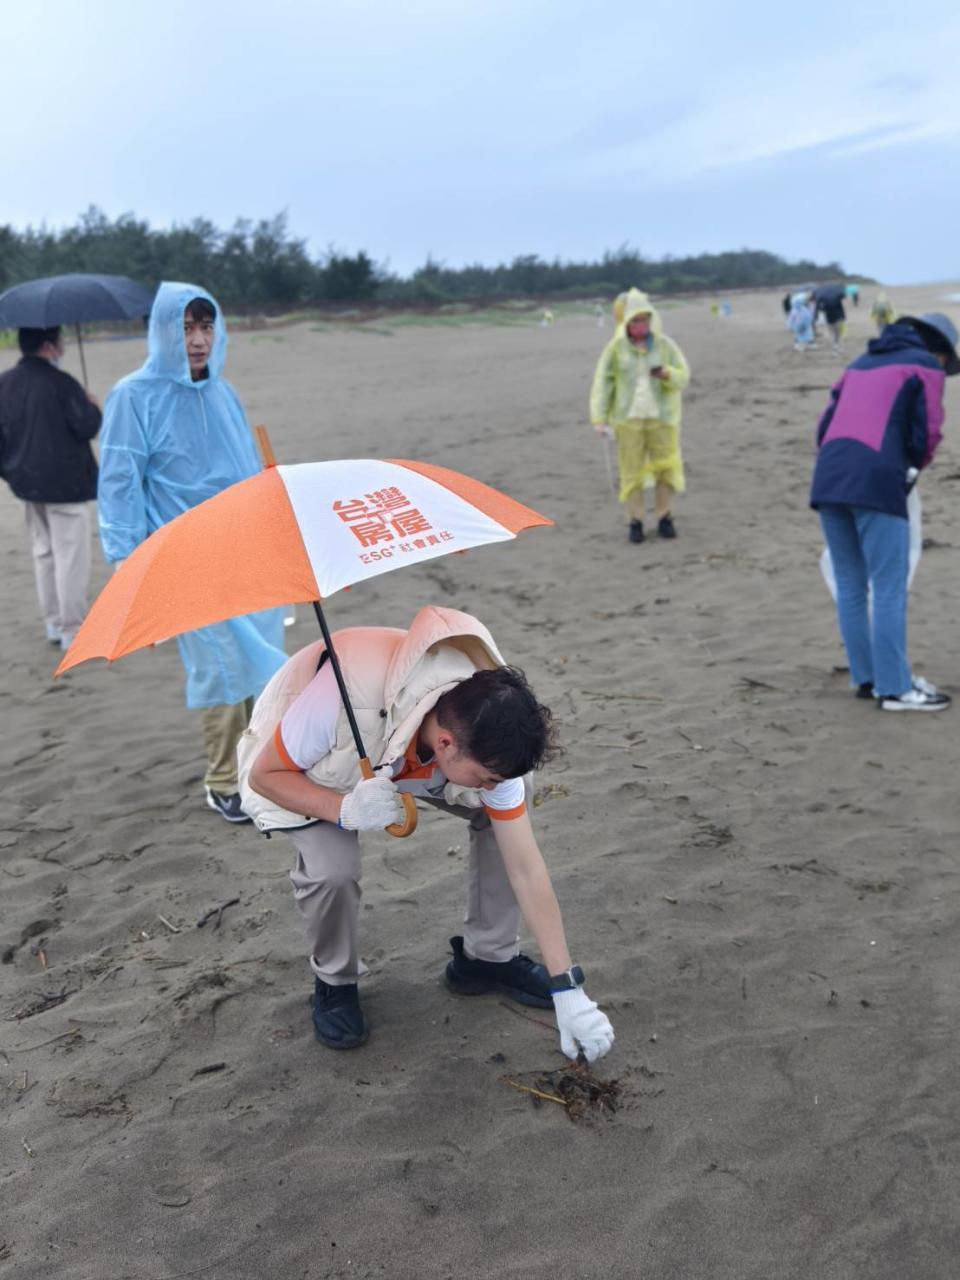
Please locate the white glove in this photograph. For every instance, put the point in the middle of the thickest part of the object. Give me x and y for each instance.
(582, 1023)
(374, 803)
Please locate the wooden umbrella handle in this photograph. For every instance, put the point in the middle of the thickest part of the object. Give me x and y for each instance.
(409, 823)
(266, 448)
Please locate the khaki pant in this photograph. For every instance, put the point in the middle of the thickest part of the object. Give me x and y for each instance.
(222, 729)
(60, 542)
(326, 885)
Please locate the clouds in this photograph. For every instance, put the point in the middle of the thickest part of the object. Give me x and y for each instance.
(477, 129)
(841, 101)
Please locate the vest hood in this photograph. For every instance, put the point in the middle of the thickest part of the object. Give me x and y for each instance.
(442, 647)
(394, 679)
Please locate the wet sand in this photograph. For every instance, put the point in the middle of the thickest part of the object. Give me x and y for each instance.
(758, 872)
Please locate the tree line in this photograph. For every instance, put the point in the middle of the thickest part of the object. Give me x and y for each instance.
(262, 266)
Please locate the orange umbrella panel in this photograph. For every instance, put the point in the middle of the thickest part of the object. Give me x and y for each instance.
(291, 534)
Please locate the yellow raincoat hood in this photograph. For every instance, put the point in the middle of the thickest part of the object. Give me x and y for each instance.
(637, 303)
(623, 362)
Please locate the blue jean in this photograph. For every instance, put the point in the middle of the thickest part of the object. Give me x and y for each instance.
(871, 549)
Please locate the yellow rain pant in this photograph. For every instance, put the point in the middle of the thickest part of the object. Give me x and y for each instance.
(648, 452)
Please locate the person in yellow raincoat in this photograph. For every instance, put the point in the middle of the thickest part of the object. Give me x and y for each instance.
(882, 312)
(637, 391)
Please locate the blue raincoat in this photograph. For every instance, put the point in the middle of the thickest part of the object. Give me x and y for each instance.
(167, 444)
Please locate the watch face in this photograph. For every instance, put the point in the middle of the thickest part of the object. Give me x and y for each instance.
(567, 981)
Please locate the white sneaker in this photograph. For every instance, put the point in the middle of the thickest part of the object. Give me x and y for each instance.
(924, 686)
(916, 700)
(53, 633)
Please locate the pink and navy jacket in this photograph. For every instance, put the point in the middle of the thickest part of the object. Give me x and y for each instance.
(885, 415)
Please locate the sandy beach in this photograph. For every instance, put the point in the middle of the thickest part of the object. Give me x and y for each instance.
(758, 872)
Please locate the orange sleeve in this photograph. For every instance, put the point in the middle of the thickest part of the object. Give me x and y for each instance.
(282, 751)
(505, 815)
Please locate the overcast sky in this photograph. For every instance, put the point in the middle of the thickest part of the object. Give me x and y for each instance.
(475, 131)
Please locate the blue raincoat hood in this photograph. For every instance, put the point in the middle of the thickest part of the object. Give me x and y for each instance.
(167, 352)
(169, 443)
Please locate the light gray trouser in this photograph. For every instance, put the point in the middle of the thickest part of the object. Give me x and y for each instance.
(326, 885)
(60, 542)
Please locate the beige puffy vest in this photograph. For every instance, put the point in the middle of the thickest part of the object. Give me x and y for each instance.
(393, 678)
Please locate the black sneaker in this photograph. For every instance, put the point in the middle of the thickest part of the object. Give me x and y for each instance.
(915, 700)
(521, 978)
(635, 533)
(227, 806)
(338, 1020)
(864, 690)
(665, 527)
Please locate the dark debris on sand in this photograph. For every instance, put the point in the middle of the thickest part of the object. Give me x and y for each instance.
(574, 1087)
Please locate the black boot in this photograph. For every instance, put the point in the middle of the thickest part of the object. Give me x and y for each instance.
(665, 526)
(338, 1020)
(636, 531)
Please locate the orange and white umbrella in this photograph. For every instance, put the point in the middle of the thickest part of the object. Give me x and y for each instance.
(293, 534)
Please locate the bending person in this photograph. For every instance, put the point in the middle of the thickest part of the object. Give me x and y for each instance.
(445, 720)
(883, 420)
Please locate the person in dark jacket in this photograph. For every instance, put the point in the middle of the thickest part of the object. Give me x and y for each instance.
(47, 421)
(881, 428)
(831, 308)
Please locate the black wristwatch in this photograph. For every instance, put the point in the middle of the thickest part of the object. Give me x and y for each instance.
(568, 981)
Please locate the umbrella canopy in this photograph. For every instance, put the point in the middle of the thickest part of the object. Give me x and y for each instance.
(72, 299)
(291, 534)
(829, 292)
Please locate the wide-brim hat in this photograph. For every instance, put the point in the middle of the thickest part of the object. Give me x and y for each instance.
(940, 334)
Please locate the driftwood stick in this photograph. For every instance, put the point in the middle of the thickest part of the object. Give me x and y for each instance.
(525, 1088)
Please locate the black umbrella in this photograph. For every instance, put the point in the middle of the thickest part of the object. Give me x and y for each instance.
(73, 299)
(830, 293)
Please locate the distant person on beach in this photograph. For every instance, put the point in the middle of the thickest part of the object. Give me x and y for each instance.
(174, 434)
(47, 421)
(882, 312)
(882, 425)
(853, 293)
(444, 720)
(801, 322)
(637, 390)
(830, 304)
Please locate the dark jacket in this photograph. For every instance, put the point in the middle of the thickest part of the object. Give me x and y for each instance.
(884, 416)
(46, 425)
(832, 309)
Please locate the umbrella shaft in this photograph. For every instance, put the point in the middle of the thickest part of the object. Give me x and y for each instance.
(335, 663)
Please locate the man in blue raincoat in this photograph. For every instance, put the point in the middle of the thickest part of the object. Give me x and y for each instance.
(174, 434)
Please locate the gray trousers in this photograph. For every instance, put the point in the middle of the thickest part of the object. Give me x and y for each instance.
(60, 542)
(326, 886)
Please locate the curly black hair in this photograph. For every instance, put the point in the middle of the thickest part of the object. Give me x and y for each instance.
(498, 721)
